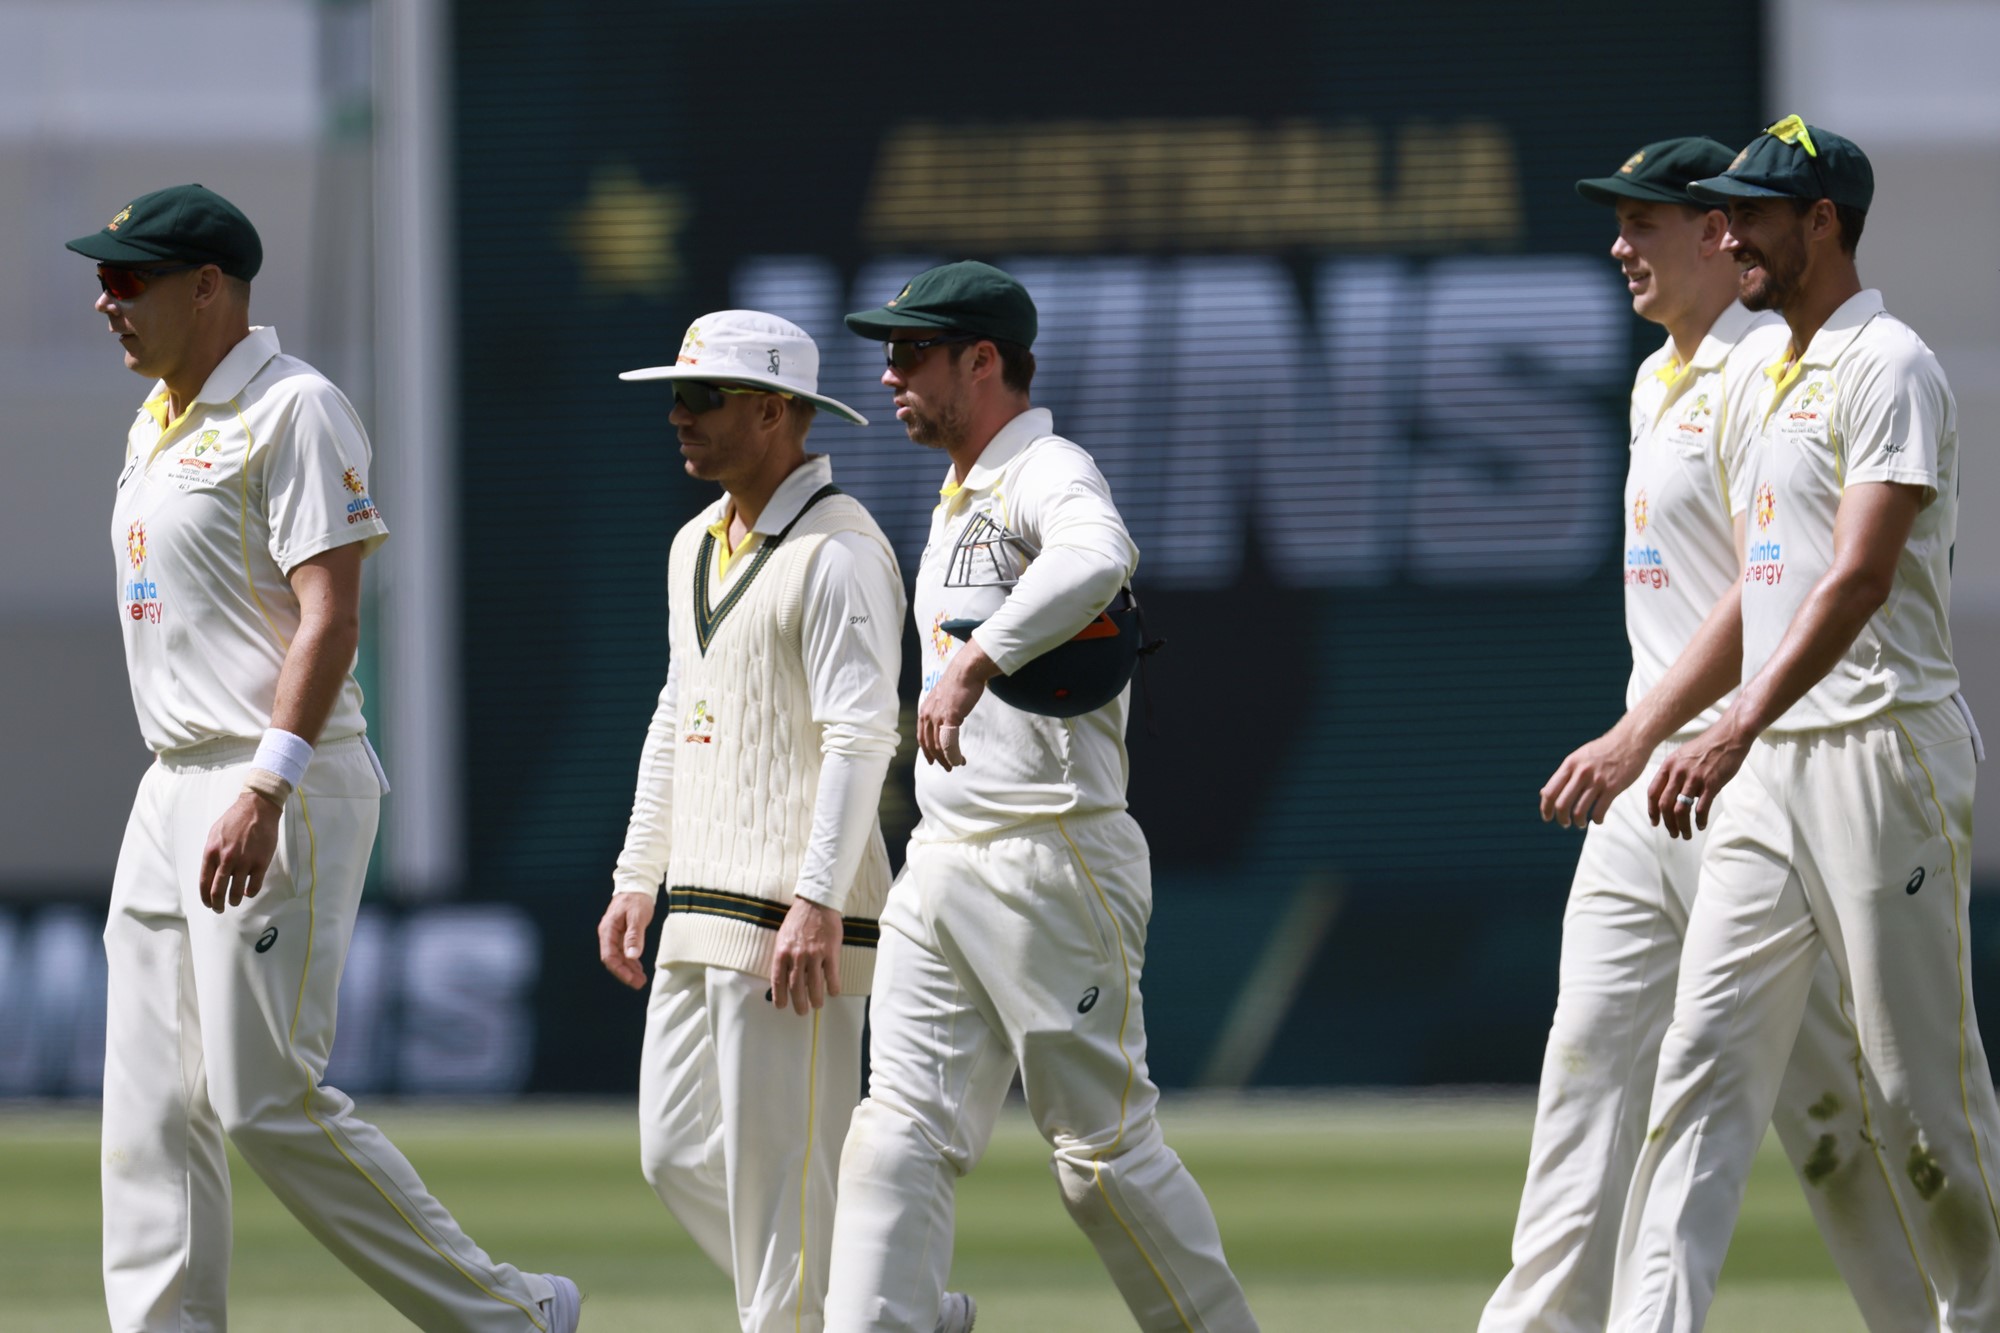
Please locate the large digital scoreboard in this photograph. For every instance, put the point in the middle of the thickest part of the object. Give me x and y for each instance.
(1317, 294)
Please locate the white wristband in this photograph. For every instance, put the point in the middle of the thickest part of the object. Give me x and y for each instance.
(283, 753)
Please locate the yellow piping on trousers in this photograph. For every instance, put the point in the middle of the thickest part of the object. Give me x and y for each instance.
(1097, 1158)
(1868, 1136)
(1964, 992)
(312, 1080)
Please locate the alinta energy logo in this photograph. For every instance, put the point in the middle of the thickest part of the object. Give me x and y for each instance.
(1766, 564)
(1645, 566)
(360, 509)
(942, 642)
(142, 595)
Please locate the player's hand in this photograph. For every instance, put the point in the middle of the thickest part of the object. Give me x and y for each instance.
(1584, 785)
(950, 702)
(1686, 785)
(238, 852)
(805, 970)
(621, 937)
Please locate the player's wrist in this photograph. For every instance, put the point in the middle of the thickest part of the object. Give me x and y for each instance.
(283, 754)
(267, 787)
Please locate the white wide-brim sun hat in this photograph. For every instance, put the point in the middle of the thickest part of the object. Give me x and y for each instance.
(750, 348)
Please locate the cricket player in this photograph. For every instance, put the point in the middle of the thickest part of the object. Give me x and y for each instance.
(1016, 933)
(243, 514)
(1686, 492)
(1846, 830)
(756, 806)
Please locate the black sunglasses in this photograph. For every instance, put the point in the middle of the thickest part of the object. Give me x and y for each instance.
(903, 356)
(122, 284)
(699, 396)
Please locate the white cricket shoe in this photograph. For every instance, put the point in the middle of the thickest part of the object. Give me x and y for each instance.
(956, 1313)
(564, 1308)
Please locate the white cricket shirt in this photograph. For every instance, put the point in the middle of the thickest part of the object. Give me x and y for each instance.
(1693, 426)
(267, 468)
(851, 621)
(1866, 402)
(1035, 508)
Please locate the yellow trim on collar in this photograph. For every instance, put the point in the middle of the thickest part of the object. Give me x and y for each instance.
(1783, 375)
(1673, 372)
(720, 531)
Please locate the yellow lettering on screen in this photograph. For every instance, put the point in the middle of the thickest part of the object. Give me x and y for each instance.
(1229, 184)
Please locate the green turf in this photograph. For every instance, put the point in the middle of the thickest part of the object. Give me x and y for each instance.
(1375, 1216)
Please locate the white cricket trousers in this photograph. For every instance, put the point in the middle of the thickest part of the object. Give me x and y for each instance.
(1621, 952)
(742, 1110)
(1019, 950)
(1851, 843)
(221, 1025)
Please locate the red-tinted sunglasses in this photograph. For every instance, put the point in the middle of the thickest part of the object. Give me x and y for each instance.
(122, 284)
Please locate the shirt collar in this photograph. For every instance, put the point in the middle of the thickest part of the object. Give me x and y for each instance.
(230, 377)
(1010, 440)
(1715, 346)
(1728, 330)
(1842, 327)
(787, 501)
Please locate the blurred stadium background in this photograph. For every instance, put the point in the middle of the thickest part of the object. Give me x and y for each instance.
(1316, 292)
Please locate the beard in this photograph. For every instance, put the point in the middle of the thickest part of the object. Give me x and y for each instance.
(1771, 289)
(942, 427)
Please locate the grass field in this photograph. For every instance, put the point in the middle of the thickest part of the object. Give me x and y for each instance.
(1362, 1214)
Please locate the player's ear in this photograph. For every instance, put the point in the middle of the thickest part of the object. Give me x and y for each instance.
(208, 286)
(1714, 226)
(985, 360)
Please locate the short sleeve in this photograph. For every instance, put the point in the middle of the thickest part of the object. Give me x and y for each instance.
(316, 487)
(1894, 410)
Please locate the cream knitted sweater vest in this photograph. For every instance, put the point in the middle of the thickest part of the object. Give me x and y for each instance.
(747, 760)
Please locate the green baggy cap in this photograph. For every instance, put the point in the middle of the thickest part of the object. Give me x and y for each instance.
(1660, 173)
(1794, 160)
(966, 297)
(182, 223)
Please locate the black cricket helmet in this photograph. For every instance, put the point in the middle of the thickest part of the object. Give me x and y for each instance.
(1080, 674)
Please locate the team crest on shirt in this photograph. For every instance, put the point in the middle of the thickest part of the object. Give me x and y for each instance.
(1694, 421)
(1814, 400)
(205, 442)
(700, 726)
(1639, 511)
